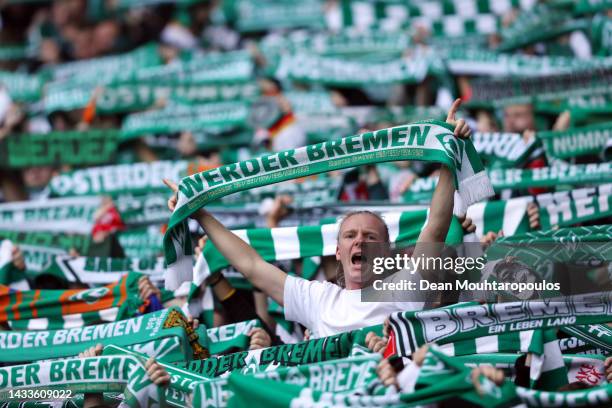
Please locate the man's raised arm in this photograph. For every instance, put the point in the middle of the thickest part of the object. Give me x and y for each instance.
(263, 275)
(431, 240)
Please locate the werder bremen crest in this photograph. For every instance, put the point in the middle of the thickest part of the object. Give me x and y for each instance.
(453, 147)
(89, 296)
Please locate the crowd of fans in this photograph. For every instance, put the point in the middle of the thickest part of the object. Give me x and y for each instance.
(142, 73)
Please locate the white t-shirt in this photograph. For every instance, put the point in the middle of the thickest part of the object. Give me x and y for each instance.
(327, 309)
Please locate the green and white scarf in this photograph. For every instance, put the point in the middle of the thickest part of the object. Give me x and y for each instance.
(208, 70)
(182, 382)
(471, 61)
(125, 374)
(287, 243)
(562, 208)
(527, 28)
(431, 141)
(102, 270)
(393, 15)
(307, 193)
(50, 309)
(250, 15)
(592, 173)
(583, 108)
(170, 343)
(339, 376)
(465, 321)
(179, 118)
(55, 148)
(101, 70)
(270, 358)
(502, 150)
(576, 142)
(22, 87)
(68, 215)
(548, 368)
(229, 337)
(455, 382)
(421, 190)
(134, 97)
(147, 207)
(597, 335)
(509, 216)
(345, 42)
(47, 242)
(601, 35)
(310, 68)
(566, 208)
(588, 370)
(592, 397)
(499, 92)
(457, 26)
(137, 177)
(142, 242)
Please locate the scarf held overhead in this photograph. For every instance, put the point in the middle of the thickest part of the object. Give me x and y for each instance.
(426, 141)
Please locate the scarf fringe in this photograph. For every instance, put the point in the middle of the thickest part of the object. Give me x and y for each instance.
(475, 188)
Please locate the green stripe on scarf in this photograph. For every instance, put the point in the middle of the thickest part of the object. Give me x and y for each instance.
(426, 141)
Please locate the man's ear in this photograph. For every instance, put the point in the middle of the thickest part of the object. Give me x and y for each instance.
(337, 253)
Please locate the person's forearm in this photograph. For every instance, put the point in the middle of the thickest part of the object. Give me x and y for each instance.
(441, 210)
(238, 253)
(432, 237)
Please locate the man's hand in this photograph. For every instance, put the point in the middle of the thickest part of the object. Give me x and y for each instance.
(259, 339)
(174, 198)
(491, 373)
(418, 357)
(172, 201)
(279, 210)
(93, 351)
(533, 212)
(462, 130)
(146, 288)
(386, 373)
(490, 237)
(157, 373)
(466, 224)
(200, 247)
(17, 258)
(608, 366)
(375, 343)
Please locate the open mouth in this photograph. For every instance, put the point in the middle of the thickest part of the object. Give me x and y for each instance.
(357, 258)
